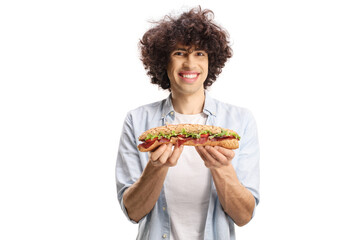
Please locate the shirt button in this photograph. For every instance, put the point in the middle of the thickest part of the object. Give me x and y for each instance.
(172, 113)
(164, 208)
(164, 236)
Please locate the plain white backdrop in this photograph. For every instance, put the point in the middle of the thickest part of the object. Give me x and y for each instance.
(70, 71)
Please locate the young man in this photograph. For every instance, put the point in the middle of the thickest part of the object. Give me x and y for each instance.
(187, 192)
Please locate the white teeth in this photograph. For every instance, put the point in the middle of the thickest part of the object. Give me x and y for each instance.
(190, 76)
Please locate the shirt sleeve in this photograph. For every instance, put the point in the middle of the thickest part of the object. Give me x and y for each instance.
(248, 169)
(128, 164)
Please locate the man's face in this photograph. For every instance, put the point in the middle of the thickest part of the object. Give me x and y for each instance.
(187, 69)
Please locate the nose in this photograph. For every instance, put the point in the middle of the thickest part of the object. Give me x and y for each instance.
(189, 61)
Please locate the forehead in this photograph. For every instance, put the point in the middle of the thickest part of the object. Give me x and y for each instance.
(186, 48)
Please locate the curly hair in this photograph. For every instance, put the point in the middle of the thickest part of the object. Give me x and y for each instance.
(193, 28)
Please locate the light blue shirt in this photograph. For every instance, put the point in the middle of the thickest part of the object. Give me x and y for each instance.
(131, 163)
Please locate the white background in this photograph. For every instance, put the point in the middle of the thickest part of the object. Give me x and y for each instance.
(70, 71)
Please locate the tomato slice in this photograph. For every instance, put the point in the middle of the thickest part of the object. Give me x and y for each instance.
(204, 135)
(151, 140)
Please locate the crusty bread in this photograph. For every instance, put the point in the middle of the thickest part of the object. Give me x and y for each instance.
(226, 143)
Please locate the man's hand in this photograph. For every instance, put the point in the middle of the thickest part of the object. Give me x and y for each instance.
(141, 197)
(236, 200)
(165, 156)
(215, 157)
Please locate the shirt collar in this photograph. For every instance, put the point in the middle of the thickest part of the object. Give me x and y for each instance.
(209, 107)
(168, 108)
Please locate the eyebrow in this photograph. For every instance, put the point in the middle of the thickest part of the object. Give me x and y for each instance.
(186, 50)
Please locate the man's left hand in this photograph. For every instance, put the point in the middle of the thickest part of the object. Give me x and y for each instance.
(215, 157)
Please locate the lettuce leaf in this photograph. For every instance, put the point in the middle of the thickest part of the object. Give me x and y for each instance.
(193, 135)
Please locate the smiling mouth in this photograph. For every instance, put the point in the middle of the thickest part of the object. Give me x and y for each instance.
(189, 77)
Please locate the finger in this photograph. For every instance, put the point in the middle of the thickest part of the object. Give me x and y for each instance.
(155, 155)
(212, 156)
(218, 156)
(200, 150)
(172, 161)
(166, 154)
(156, 163)
(229, 154)
(209, 160)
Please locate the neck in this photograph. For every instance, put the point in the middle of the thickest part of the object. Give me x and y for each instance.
(188, 104)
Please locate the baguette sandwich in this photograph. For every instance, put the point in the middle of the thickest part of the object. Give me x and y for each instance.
(190, 135)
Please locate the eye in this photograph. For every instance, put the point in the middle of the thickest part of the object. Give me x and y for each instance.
(201, 53)
(178, 53)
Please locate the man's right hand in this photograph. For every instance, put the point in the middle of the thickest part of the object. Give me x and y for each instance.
(165, 155)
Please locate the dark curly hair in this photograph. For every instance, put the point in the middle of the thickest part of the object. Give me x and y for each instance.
(193, 28)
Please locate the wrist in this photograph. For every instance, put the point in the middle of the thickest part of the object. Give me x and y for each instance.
(223, 172)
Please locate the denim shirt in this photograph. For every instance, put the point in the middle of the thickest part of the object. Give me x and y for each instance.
(131, 163)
